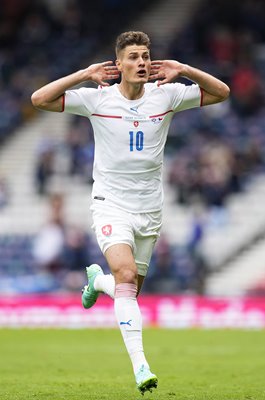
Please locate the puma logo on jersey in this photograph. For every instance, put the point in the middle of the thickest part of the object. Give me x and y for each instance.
(135, 109)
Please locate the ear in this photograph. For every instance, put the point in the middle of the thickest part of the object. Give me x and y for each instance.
(118, 64)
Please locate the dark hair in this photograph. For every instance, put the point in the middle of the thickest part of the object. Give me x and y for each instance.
(129, 38)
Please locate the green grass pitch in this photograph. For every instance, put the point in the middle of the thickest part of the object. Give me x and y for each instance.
(93, 364)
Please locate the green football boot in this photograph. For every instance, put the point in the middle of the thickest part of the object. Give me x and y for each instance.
(145, 380)
(90, 295)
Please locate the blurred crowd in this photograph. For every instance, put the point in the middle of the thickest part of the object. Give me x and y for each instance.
(222, 146)
(72, 156)
(42, 40)
(212, 152)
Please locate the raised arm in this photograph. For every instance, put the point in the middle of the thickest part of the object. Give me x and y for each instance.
(51, 96)
(214, 90)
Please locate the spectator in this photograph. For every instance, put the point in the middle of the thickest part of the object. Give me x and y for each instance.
(44, 165)
(80, 142)
(216, 163)
(49, 243)
(76, 256)
(247, 90)
(162, 278)
(196, 235)
(60, 249)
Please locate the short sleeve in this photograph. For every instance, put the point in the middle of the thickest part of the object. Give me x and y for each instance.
(81, 101)
(183, 97)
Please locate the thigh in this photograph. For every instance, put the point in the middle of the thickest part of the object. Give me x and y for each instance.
(122, 264)
(121, 260)
(112, 226)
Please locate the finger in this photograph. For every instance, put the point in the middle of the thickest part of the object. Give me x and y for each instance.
(155, 68)
(163, 81)
(112, 76)
(111, 68)
(116, 76)
(102, 83)
(159, 75)
(106, 63)
(112, 71)
(107, 66)
(157, 62)
(156, 65)
(156, 74)
(153, 77)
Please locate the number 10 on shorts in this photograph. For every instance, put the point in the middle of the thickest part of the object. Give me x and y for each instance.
(136, 140)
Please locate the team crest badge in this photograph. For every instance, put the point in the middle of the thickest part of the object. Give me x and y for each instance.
(106, 230)
(136, 123)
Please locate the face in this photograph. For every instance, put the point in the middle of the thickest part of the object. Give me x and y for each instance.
(134, 63)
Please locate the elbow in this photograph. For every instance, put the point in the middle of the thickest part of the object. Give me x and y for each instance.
(36, 100)
(225, 92)
(222, 93)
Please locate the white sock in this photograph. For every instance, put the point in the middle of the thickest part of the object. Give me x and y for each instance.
(105, 284)
(130, 322)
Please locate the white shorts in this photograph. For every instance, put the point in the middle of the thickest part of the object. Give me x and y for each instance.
(140, 231)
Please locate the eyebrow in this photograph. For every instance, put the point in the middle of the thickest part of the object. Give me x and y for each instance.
(137, 52)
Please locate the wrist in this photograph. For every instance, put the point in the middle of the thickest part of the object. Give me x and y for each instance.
(184, 70)
(82, 75)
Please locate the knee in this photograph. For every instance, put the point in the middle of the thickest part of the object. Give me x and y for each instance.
(126, 275)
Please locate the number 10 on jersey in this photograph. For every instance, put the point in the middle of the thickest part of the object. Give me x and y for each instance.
(136, 140)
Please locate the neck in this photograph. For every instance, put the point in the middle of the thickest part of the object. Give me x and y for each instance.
(130, 91)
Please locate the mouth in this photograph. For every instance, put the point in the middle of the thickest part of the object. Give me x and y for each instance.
(141, 73)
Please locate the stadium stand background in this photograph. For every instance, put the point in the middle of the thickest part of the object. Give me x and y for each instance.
(214, 225)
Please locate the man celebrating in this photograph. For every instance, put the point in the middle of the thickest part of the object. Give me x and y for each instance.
(130, 122)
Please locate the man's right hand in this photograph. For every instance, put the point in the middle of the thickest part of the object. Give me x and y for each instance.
(51, 96)
(102, 72)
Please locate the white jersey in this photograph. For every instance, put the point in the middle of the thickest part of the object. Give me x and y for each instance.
(130, 137)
